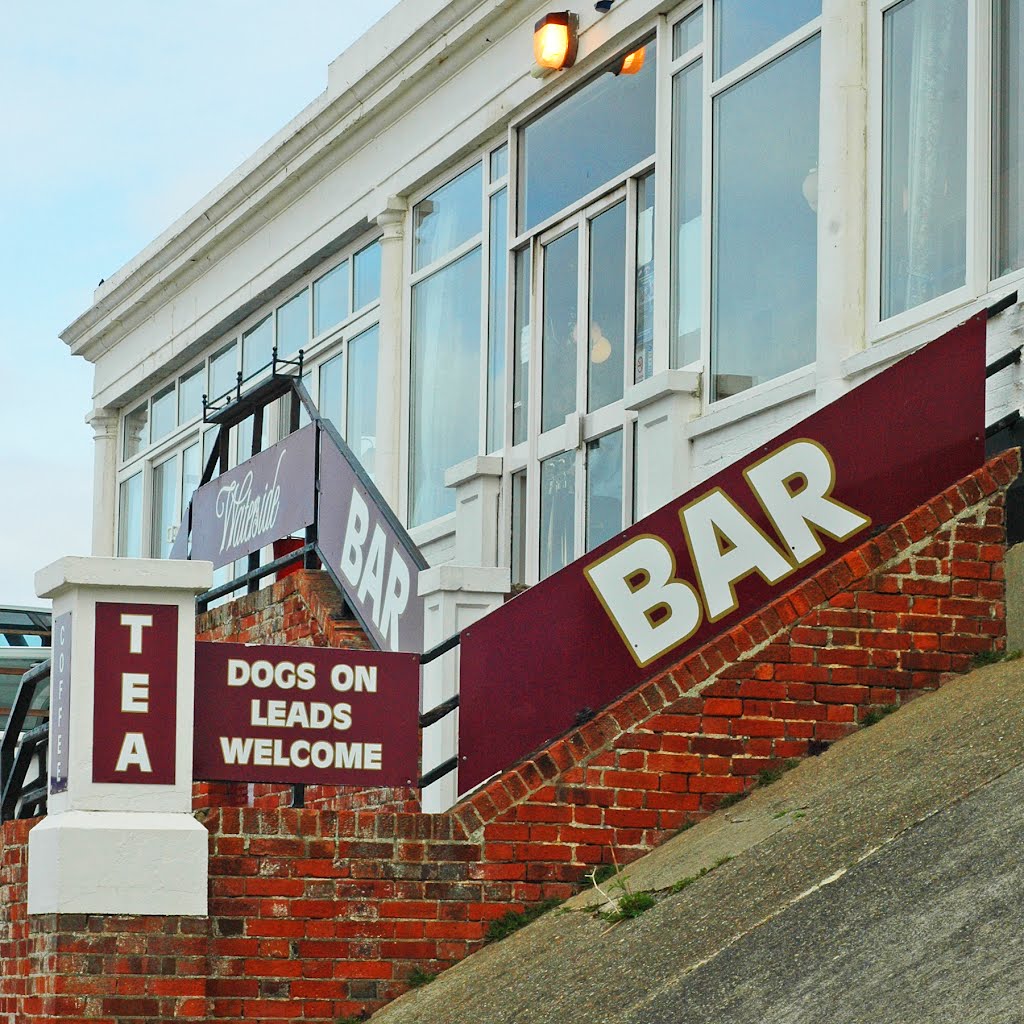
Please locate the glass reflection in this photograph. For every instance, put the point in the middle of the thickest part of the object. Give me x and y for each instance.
(257, 347)
(558, 371)
(590, 137)
(643, 348)
(557, 512)
(764, 288)
(521, 341)
(445, 399)
(497, 290)
(330, 299)
(329, 403)
(366, 285)
(606, 348)
(743, 29)
(165, 506)
(1008, 138)
(447, 218)
(129, 519)
(687, 187)
(604, 488)
(293, 325)
(924, 152)
(361, 411)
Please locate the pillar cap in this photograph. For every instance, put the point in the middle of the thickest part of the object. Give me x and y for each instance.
(135, 573)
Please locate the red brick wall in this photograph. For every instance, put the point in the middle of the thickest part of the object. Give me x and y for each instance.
(321, 914)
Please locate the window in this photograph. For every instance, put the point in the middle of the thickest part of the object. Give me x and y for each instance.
(924, 152)
(764, 257)
(257, 348)
(165, 507)
(129, 520)
(1007, 137)
(361, 406)
(592, 136)
(293, 325)
(136, 431)
(331, 302)
(457, 372)
(191, 388)
(743, 29)
(366, 286)
(163, 413)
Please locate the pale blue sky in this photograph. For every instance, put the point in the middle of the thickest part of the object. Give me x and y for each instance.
(115, 117)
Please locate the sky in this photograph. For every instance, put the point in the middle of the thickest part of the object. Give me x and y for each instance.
(116, 116)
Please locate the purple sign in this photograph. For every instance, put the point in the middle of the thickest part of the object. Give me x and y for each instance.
(369, 553)
(60, 703)
(306, 715)
(263, 499)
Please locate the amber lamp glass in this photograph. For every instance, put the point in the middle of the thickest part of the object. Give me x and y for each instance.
(554, 41)
(633, 62)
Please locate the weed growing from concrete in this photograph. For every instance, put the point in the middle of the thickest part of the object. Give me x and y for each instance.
(419, 977)
(502, 927)
(875, 715)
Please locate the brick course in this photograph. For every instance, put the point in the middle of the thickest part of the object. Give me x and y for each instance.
(324, 912)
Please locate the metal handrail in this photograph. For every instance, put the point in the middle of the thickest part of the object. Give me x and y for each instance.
(19, 747)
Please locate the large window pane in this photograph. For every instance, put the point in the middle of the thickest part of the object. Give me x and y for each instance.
(366, 286)
(293, 325)
(557, 512)
(223, 372)
(764, 285)
(361, 413)
(447, 218)
(129, 519)
(165, 506)
(643, 348)
(521, 341)
(257, 347)
(744, 28)
(558, 386)
(497, 290)
(136, 430)
(1008, 138)
(332, 382)
(591, 136)
(445, 414)
(607, 333)
(604, 488)
(330, 299)
(164, 410)
(190, 393)
(924, 155)
(687, 187)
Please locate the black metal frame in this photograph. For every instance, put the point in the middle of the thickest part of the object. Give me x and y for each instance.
(18, 749)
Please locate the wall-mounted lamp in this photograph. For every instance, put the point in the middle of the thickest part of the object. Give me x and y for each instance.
(604, 6)
(632, 62)
(555, 41)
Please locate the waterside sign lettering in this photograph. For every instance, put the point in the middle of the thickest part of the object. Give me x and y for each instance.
(261, 500)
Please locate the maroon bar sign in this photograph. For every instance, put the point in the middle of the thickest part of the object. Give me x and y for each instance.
(306, 715)
(699, 565)
(135, 688)
(261, 500)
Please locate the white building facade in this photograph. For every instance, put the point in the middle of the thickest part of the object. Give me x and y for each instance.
(571, 297)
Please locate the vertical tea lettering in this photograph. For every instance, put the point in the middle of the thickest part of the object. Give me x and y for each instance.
(135, 698)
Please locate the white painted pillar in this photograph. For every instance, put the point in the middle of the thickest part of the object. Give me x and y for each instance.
(387, 456)
(455, 596)
(665, 404)
(477, 484)
(842, 185)
(119, 836)
(104, 479)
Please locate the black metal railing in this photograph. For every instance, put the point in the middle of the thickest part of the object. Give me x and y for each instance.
(22, 796)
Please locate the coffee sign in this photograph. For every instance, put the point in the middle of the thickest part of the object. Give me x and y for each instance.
(261, 500)
(306, 715)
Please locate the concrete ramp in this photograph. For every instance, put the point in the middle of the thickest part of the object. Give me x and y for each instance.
(880, 882)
